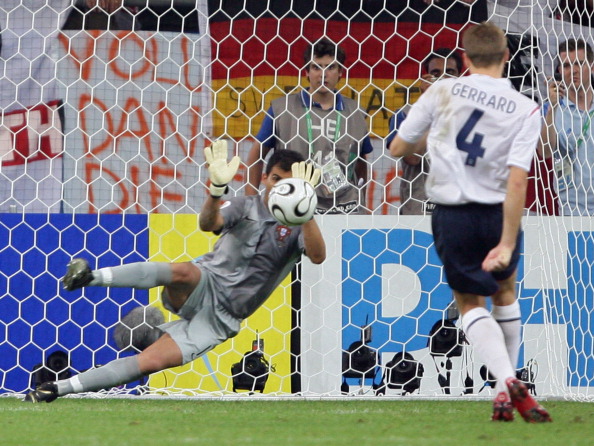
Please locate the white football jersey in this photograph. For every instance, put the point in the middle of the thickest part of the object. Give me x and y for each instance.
(479, 126)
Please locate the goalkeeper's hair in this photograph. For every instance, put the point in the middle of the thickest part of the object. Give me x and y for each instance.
(283, 158)
(485, 44)
(324, 47)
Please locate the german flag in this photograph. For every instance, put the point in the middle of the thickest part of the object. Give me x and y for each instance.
(257, 51)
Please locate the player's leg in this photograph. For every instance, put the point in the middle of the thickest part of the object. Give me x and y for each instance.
(163, 354)
(179, 278)
(185, 278)
(140, 275)
(486, 337)
(506, 312)
(484, 334)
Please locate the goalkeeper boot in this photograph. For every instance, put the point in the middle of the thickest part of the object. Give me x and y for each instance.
(46, 392)
(531, 411)
(78, 275)
(503, 409)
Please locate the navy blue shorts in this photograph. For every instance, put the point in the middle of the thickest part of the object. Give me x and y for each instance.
(463, 237)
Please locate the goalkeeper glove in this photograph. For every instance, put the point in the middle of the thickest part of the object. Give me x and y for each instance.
(219, 171)
(307, 172)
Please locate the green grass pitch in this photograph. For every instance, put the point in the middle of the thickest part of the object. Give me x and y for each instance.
(81, 421)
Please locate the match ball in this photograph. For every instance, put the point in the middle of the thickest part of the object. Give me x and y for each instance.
(292, 201)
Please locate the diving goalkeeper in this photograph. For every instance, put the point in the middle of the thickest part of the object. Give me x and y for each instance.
(213, 294)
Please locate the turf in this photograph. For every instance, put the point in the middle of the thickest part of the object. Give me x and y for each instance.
(302, 422)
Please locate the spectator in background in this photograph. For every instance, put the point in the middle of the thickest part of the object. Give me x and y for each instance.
(444, 62)
(567, 134)
(325, 127)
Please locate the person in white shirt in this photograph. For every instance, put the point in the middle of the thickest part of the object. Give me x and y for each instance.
(482, 136)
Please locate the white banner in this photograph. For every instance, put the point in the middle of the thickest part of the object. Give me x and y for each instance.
(383, 273)
(138, 110)
(30, 129)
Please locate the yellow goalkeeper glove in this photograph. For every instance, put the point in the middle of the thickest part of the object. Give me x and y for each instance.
(307, 172)
(220, 172)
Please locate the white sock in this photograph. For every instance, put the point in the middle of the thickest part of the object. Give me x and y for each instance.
(487, 339)
(139, 275)
(509, 319)
(117, 372)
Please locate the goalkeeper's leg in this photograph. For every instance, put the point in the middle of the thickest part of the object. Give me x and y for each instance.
(140, 275)
(163, 354)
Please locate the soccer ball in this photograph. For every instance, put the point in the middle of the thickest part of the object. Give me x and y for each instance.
(292, 201)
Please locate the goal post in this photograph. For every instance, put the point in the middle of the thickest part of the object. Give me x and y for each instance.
(105, 117)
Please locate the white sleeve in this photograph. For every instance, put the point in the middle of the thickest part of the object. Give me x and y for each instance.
(419, 118)
(524, 144)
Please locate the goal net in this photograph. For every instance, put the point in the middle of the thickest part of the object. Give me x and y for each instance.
(104, 119)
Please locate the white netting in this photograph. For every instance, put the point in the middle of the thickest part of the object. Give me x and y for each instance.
(105, 116)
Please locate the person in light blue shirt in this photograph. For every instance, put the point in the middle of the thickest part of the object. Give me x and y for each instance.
(567, 133)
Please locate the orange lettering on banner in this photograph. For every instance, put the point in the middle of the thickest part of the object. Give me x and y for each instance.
(133, 106)
(84, 62)
(194, 130)
(86, 100)
(92, 167)
(149, 51)
(390, 198)
(107, 128)
(166, 121)
(114, 137)
(185, 63)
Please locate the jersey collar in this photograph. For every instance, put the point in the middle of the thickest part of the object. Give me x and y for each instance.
(306, 100)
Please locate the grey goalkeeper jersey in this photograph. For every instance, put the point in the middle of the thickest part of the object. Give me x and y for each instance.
(252, 256)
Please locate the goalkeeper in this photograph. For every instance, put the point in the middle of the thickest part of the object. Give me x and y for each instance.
(213, 294)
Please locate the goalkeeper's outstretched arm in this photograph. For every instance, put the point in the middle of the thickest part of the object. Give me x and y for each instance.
(221, 173)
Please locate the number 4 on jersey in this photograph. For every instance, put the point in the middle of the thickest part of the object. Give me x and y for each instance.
(471, 146)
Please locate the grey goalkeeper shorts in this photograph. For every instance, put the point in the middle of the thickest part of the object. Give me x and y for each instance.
(204, 323)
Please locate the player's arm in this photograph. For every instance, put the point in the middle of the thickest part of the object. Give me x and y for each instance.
(313, 242)
(420, 150)
(413, 132)
(548, 134)
(400, 147)
(513, 208)
(520, 159)
(315, 247)
(221, 173)
(210, 218)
